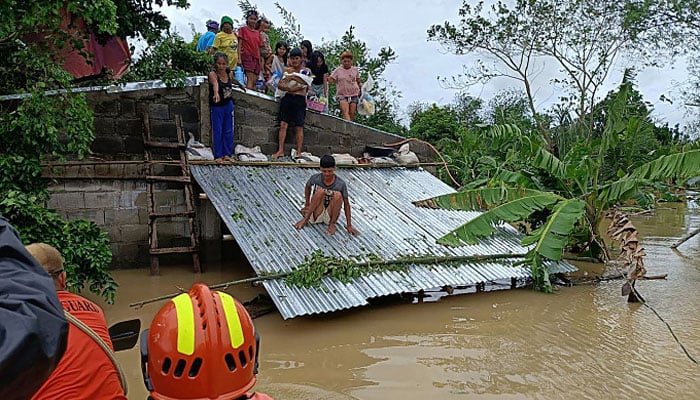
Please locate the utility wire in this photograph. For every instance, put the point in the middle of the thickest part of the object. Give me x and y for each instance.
(644, 302)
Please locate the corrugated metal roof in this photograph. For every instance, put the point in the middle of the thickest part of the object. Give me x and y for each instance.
(260, 205)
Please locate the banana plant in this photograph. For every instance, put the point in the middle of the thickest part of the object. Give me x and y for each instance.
(575, 202)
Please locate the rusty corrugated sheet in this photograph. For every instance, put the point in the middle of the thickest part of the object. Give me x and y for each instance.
(259, 205)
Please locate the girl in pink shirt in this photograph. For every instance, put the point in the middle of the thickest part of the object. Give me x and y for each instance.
(348, 83)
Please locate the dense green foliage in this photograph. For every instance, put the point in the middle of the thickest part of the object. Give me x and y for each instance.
(52, 122)
(171, 60)
(138, 18)
(569, 194)
(83, 245)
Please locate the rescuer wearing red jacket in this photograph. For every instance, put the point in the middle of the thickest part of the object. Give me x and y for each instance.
(85, 372)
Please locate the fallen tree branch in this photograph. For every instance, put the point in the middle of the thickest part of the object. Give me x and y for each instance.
(224, 285)
(685, 238)
(597, 279)
(316, 266)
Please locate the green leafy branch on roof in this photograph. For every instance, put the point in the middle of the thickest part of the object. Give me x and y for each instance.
(317, 265)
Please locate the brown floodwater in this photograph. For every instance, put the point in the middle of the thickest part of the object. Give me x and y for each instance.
(583, 342)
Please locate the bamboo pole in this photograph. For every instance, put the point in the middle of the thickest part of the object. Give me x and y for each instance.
(376, 263)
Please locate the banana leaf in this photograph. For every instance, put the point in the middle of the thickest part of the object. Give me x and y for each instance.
(686, 164)
(551, 238)
(477, 199)
(484, 224)
(550, 163)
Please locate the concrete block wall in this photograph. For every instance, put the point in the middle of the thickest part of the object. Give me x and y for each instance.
(117, 201)
(112, 205)
(119, 123)
(113, 193)
(119, 119)
(255, 124)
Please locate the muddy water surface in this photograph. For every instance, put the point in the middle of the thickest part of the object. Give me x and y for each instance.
(583, 342)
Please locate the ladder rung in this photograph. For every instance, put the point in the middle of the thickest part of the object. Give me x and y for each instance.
(173, 250)
(171, 214)
(164, 145)
(163, 178)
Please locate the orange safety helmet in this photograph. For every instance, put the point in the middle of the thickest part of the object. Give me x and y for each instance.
(201, 345)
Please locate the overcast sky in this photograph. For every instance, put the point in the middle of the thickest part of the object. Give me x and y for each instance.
(402, 25)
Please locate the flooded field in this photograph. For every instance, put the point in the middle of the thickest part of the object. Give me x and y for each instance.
(584, 342)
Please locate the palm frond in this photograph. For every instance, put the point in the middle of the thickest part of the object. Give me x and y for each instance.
(551, 238)
(504, 131)
(515, 178)
(483, 225)
(476, 199)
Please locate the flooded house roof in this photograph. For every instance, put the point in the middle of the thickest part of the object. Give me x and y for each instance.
(260, 205)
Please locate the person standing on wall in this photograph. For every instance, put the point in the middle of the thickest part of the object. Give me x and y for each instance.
(319, 68)
(206, 41)
(221, 81)
(306, 50)
(226, 42)
(263, 26)
(347, 79)
(293, 103)
(85, 371)
(279, 60)
(250, 41)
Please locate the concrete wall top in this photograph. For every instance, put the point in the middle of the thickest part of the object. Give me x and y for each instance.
(119, 112)
(119, 109)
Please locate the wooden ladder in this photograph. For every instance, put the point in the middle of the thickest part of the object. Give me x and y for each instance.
(184, 178)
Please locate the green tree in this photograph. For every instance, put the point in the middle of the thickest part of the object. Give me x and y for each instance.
(576, 196)
(583, 38)
(170, 59)
(433, 123)
(473, 154)
(139, 18)
(45, 125)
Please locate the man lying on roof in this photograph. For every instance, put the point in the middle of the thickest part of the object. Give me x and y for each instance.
(329, 192)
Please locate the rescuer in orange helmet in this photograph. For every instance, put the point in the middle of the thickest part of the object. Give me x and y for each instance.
(202, 345)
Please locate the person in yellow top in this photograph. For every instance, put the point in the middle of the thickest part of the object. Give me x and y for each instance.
(226, 42)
